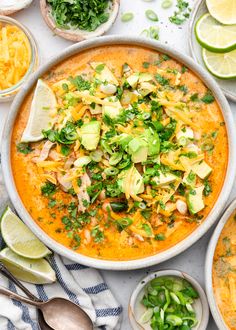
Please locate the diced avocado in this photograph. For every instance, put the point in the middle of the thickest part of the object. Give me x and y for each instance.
(153, 141)
(122, 140)
(146, 88)
(114, 110)
(184, 135)
(164, 179)
(132, 180)
(195, 201)
(133, 80)
(138, 149)
(82, 161)
(103, 73)
(189, 179)
(145, 76)
(90, 134)
(202, 169)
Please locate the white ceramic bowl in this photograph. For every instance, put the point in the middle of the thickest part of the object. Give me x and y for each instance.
(136, 309)
(162, 256)
(209, 263)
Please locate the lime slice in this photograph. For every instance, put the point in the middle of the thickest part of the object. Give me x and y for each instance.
(222, 66)
(43, 106)
(223, 10)
(28, 270)
(215, 36)
(19, 238)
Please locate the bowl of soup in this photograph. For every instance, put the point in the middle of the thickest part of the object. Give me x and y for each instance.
(220, 270)
(119, 153)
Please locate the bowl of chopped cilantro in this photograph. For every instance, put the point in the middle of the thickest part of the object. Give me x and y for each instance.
(169, 299)
(79, 20)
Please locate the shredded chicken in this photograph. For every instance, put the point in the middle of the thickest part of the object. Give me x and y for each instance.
(83, 196)
(44, 152)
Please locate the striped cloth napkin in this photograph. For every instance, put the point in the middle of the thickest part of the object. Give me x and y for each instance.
(80, 284)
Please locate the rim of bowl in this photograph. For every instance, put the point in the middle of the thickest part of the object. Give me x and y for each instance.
(78, 35)
(209, 263)
(171, 272)
(149, 260)
(9, 93)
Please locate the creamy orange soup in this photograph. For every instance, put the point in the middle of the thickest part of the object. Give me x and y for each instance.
(117, 199)
(224, 272)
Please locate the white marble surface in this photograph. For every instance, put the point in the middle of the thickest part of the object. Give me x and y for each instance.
(192, 260)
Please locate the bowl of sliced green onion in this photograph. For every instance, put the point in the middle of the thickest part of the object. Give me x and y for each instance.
(168, 300)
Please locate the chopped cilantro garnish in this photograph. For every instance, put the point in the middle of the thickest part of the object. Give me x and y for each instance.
(208, 98)
(24, 148)
(48, 189)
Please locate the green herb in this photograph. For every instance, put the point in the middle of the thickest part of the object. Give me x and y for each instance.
(194, 97)
(208, 98)
(97, 234)
(151, 15)
(166, 4)
(146, 213)
(160, 237)
(65, 87)
(183, 88)
(48, 189)
(126, 17)
(65, 150)
(86, 15)
(207, 188)
(52, 203)
(181, 14)
(161, 80)
(80, 83)
(119, 206)
(146, 65)
(24, 148)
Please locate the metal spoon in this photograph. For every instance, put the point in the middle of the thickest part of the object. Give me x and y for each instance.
(4, 271)
(59, 313)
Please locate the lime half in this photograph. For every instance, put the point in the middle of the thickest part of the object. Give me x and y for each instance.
(19, 237)
(43, 107)
(215, 36)
(222, 66)
(28, 270)
(223, 10)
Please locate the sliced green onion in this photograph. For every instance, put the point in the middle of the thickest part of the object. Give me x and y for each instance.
(110, 171)
(166, 4)
(154, 32)
(115, 158)
(123, 223)
(151, 15)
(126, 17)
(119, 206)
(146, 317)
(96, 155)
(145, 33)
(82, 161)
(146, 115)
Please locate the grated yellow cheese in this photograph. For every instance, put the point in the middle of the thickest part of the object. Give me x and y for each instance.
(15, 55)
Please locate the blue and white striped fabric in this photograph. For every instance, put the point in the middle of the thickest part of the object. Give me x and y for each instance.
(80, 284)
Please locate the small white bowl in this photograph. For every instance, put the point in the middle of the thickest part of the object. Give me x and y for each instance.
(77, 35)
(208, 266)
(136, 309)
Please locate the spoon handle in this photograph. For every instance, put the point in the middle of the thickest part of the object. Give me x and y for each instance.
(16, 296)
(5, 272)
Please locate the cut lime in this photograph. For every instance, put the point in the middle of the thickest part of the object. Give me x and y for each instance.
(215, 36)
(19, 238)
(222, 66)
(43, 107)
(28, 270)
(223, 10)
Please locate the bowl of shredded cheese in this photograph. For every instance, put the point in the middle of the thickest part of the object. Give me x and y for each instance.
(18, 57)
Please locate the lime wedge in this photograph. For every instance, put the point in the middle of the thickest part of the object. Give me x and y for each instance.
(19, 238)
(43, 106)
(222, 66)
(223, 10)
(28, 270)
(215, 36)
